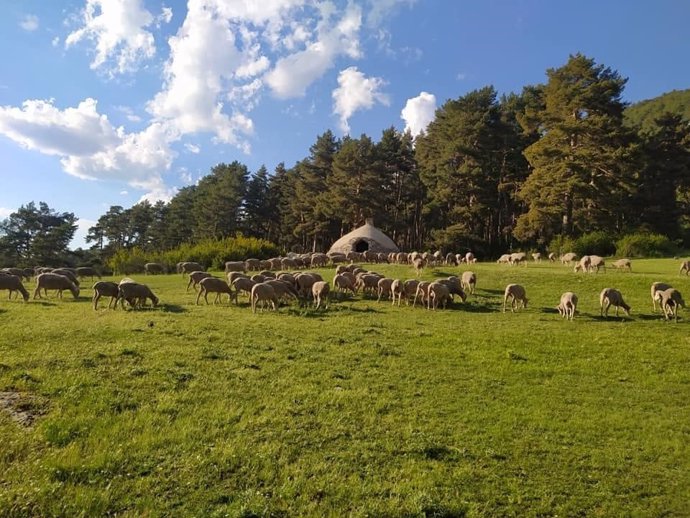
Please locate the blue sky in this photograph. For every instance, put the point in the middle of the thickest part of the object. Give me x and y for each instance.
(107, 102)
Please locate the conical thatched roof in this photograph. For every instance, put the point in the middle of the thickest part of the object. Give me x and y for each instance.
(366, 237)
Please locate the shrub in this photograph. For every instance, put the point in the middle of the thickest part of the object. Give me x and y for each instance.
(595, 243)
(561, 244)
(645, 245)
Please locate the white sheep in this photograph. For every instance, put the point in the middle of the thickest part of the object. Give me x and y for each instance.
(469, 281)
(684, 267)
(597, 262)
(422, 293)
(517, 295)
(583, 264)
(418, 263)
(217, 286)
(284, 289)
(517, 258)
(135, 294)
(410, 289)
(236, 266)
(657, 288)
(243, 284)
(263, 292)
(536, 257)
(439, 294)
(568, 258)
(623, 264)
(320, 291)
(195, 278)
(612, 297)
(105, 289)
(384, 287)
(552, 257)
(504, 259)
(470, 258)
(13, 283)
(568, 305)
(343, 283)
(397, 291)
(671, 299)
(55, 281)
(189, 267)
(454, 286)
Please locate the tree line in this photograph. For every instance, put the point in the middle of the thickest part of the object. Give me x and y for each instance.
(490, 173)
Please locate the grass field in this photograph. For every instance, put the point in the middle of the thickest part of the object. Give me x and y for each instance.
(360, 410)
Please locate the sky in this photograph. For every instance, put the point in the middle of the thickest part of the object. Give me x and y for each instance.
(110, 102)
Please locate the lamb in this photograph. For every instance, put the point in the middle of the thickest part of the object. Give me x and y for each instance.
(87, 271)
(153, 268)
(320, 290)
(55, 281)
(612, 297)
(263, 292)
(657, 288)
(684, 267)
(13, 283)
(670, 300)
(217, 286)
(568, 305)
(568, 258)
(195, 278)
(517, 295)
(397, 290)
(583, 264)
(135, 294)
(469, 281)
(596, 262)
(438, 294)
(622, 264)
(105, 289)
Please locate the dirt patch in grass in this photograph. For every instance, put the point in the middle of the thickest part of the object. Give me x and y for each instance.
(21, 407)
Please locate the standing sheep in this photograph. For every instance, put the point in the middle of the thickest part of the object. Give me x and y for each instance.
(55, 281)
(568, 258)
(384, 287)
(419, 263)
(397, 291)
(469, 281)
(568, 305)
(517, 295)
(263, 293)
(657, 288)
(13, 283)
(684, 267)
(623, 264)
(87, 271)
(583, 264)
(612, 297)
(670, 300)
(195, 278)
(217, 286)
(135, 294)
(153, 269)
(552, 257)
(439, 294)
(320, 291)
(597, 262)
(536, 257)
(105, 289)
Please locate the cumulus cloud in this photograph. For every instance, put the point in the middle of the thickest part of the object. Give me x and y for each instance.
(79, 239)
(419, 112)
(29, 23)
(118, 30)
(88, 145)
(356, 92)
(293, 74)
(192, 148)
(380, 9)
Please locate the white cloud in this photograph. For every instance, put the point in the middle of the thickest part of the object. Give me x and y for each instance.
(356, 92)
(88, 145)
(124, 193)
(79, 239)
(381, 9)
(192, 148)
(117, 28)
(159, 194)
(29, 23)
(419, 112)
(165, 16)
(55, 41)
(293, 74)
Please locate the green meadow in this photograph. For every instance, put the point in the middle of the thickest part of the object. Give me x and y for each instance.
(363, 409)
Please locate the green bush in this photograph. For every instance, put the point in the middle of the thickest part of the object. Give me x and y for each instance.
(595, 243)
(645, 245)
(561, 244)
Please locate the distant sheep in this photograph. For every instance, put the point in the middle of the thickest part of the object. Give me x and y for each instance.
(154, 268)
(552, 257)
(504, 259)
(518, 258)
(583, 264)
(87, 271)
(516, 294)
(568, 258)
(13, 283)
(612, 297)
(671, 299)
(55, 281)
(657, 288)
(597, 262)
(195, 278)
(188, 267)
(536, 257)
(105, 289)
(236, 266)
(623, 264)
(684, 267)
(418, 263)
(568, 305)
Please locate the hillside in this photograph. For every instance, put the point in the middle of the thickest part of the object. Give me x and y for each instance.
(642, 114)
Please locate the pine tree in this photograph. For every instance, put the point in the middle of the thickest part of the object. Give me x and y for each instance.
(218, 201)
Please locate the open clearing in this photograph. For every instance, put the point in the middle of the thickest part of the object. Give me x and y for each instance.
(361, 410)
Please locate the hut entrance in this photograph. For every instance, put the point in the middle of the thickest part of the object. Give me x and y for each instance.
(361, 246)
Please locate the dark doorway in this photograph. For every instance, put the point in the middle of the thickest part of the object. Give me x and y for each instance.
(361, 246)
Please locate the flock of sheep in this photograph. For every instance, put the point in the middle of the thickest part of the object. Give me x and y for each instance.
(267, 288)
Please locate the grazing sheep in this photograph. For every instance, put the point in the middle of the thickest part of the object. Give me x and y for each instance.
(451, 260)
(87, 271)
(454, 286)
(568, 258)
(195, 278)
(612, 297)
(684, 267)
(552, 257)
(235, 266)
(55, 281)
(657, 288)
(622, 264)
(257, 277)
(243, 284)
(439, 294)
(517, 295)
(320, 290)
(263, 292)
(231, 276)
(19, 272)
(105, 289)
(153, 268)
(368, 283)
(410, 289)
(469, 281)
(343, 283)
(13, 283)
(67, 272)
(305, 281)
(384, 287)
(504, 259)
(422, 293)
(189, 267)
(670, 300)
(397, 291)
(135, 294)
(536, 257)
(253, 265)
(419, 263)
(596, 262)
(518, 258)
(318, 260)
(470, 258)
(283, 289)
(583, 264)
(568, 305)
(217, 286)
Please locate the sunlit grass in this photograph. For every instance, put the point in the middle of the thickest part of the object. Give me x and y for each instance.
(362, 409)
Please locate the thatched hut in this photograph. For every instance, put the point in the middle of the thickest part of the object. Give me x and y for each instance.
(363, 239)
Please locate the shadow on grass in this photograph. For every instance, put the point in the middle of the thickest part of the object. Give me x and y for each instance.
(549, 310)
(476, 308)
(43, 302)
(170, 308)
(493, 292)
(441, 273)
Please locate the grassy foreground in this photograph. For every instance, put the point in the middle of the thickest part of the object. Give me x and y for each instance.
(361, 410)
